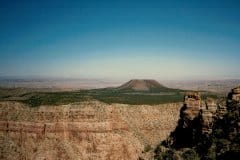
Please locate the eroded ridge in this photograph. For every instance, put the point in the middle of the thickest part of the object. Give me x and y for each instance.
(89, 130)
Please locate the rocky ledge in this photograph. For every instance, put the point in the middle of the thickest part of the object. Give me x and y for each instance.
(90, 130)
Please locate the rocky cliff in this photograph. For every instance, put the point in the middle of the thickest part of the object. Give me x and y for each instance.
(89, 130)
(206, 130)
(196, 118)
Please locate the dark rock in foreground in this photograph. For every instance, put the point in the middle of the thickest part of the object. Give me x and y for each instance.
(206, 130)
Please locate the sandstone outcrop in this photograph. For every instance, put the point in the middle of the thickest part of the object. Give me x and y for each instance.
(195, 110)
(208, 114)
(234, 95)
(233, 115)
(191, 108)
(88, 130)
(211, 133)
(196, 117)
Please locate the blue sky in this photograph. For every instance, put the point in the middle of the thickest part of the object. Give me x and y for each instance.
(120, 39)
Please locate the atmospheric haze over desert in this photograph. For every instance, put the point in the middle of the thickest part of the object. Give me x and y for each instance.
(168, 40)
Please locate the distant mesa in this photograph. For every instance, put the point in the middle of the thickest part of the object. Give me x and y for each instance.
(142, 85)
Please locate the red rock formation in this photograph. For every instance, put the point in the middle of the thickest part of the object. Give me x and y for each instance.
(90, 130)
(191, 108)
(208, 113)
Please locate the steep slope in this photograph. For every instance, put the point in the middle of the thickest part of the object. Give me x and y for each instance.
(88, 130)
(205, 130)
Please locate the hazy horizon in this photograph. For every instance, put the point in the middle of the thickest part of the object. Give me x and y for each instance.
(123, 40)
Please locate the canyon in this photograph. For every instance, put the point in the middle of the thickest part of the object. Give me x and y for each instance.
(87, 130)
(207, 129)
(90, 125)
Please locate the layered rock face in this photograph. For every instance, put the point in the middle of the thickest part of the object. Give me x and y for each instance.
(195, 109)
(226, 129)
(233, 115)
(234, 95)
(89, 130)
(211, 133)
(191, 108)
(196, 117)
(208, 114)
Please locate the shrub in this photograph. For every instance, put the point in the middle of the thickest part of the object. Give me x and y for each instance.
(190, 154)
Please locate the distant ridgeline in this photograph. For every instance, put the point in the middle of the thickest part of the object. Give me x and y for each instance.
(145, 85)
(135, 92)
(206, 130)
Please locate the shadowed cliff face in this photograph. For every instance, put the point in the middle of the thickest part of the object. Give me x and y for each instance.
(205, 130)
(188, 129)
(90, 130)
(228, 128)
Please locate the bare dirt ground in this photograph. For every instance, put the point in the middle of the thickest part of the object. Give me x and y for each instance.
(58, 84)
(220, 86)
